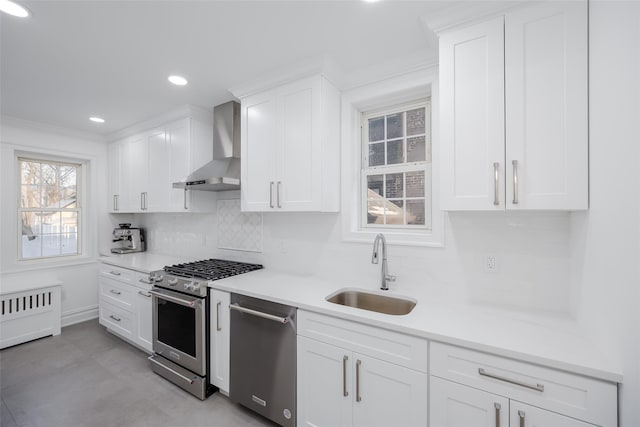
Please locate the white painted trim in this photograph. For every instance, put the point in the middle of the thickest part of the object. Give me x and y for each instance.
(201, 114)
(47, 128)
(409, 86)
(466, 13)
(78, 315)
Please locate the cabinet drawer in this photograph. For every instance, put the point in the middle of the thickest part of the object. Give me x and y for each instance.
(117, 320)
(587, 399)
(118, 294)
(400, 349)
(117, 273)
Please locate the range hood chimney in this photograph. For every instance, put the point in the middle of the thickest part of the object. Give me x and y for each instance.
(223, 172)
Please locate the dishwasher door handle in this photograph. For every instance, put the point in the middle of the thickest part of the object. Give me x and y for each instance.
(236, 307)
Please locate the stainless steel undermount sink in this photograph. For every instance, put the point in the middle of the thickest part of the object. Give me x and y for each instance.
(372, 301)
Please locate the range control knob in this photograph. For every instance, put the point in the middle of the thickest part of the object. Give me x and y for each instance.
(172, 282)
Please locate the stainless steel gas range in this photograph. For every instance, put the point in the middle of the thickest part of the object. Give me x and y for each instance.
(181, 321)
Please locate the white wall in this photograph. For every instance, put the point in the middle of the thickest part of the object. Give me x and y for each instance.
(80, 289)
(605, 254)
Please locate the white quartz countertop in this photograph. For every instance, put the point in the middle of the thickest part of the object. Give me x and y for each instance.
(550, 340)
(144, 262)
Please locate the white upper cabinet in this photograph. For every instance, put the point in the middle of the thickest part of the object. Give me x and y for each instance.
(290, 148)
(514, 111)
(143, 167)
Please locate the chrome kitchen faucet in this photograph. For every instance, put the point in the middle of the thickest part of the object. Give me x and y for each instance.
(385, 278)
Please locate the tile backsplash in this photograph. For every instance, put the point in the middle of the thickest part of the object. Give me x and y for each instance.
(240, 231)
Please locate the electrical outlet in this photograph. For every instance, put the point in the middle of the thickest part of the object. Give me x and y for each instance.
(491, 263)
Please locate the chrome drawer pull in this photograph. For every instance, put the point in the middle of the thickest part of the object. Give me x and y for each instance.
(147, 281)
(358, 397)
(496, 188)
(271, 194)
(115, 273)
(514, 163)
(345, 393)
(117, 319)
(236, 307)
(521, 415)
(278, 194)
(218, 327)
(115, 292)
(536, 387)
(498, 407)
(144, 294)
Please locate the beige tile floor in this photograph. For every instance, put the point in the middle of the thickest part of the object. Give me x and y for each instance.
(88, 377)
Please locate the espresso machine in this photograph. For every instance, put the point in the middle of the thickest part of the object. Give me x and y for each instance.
(130, 239)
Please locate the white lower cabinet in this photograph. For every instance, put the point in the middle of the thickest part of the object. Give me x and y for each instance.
(344, 386)
(125, 305)
(473, 388)
(220, 345)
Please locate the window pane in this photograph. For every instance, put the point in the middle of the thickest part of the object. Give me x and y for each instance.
(416, 150)
(415, 184)
(395, 152)
(375, 211)
(376, 154)
(394, 186)
(395, 212)
(67, 186)
(50, 196)
(31, 224)
(415, 212)
(31, 246)
(394, 125)
(374, 186)
(69, 243)
(30, 196)
(50, 244)
(376, 129)
(415, 121)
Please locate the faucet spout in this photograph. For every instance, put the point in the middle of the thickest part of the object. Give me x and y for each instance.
(385, 277)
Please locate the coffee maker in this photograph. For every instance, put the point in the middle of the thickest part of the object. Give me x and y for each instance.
(131, 239)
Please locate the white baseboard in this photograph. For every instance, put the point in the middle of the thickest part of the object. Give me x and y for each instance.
(78, 315)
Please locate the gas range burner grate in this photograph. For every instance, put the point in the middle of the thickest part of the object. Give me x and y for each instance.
(211, 269)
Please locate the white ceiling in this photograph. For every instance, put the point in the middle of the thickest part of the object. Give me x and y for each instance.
(75, 59)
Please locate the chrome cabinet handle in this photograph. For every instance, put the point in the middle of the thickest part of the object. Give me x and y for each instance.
(497, 406)
(186, 207)
(115, 273)
(147, 281)
(187, 379)
(521, 415)
(218, 327)
(496, 188)
(358, 397)
(271, 194)
(117, 319)
(345, 393)
(537, 387)
(144, 294)
(113, 291)
(236, 307)
(514, 163)
(278, 194)
(115, 202)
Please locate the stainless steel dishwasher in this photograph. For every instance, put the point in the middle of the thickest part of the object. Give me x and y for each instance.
(263, 358)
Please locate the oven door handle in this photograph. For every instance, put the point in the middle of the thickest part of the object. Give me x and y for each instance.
(180, 301)
(283, 320)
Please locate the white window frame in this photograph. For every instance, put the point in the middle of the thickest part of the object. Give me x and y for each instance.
(80, 201)
(417, 84)
(386, 169)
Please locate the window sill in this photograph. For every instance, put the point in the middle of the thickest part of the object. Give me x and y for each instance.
(41, 264)
(395, 237)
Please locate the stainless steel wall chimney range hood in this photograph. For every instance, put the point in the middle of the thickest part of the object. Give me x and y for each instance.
(223, 172)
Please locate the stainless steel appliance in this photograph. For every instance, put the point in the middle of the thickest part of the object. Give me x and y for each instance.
(223, 172)
(181, 321)
(263, 358)
(129, 239)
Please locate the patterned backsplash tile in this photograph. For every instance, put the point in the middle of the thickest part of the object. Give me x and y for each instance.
(241, 231)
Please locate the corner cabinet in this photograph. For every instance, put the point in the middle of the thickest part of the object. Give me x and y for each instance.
(143, 167)
(291, 148)
(514, 110)
(220, 345)
(350, 374)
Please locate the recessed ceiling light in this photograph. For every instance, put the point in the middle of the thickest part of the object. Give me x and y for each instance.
(14, 9)
(96, 119)
(178, 80)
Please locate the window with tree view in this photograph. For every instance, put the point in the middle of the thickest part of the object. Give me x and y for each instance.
(49, 208)
(396, 170)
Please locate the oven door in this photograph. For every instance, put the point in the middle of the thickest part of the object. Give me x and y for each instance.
(179, 328)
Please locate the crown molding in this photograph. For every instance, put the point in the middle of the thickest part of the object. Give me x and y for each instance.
(49, 128)
(467, 12)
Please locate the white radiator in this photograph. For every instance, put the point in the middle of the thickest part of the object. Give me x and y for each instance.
(29, 314)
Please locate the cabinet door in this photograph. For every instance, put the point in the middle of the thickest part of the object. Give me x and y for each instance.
(299, 152)
(472, 117)
(387, 395)
(178, 144)
(324, 385)
(546, 106)
(138, 164)
(258, 148)
(158, 185)
(145, 319)
(114, 168)
(522, 415)
(220, 329)
(455, 405)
